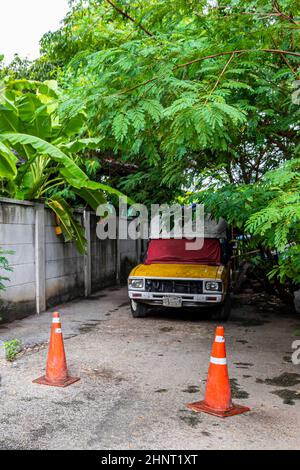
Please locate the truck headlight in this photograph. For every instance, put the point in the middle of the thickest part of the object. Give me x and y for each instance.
(212, 286)
(136, 283)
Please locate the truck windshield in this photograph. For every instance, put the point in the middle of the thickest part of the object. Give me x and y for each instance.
(174, 251)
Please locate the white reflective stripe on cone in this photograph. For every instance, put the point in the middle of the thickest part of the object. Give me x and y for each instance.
(57, 330)
(55, 320)
(219, 339)
(221, 361)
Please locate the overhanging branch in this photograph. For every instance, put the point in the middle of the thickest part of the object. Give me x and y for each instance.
(221, 75)
(275, 51)
(126, 15)
(212, 56)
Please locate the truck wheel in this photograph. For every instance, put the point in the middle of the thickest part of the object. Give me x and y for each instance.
(222, 313)
(138, 310)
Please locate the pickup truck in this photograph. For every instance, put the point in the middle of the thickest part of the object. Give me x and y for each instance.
(174, 277)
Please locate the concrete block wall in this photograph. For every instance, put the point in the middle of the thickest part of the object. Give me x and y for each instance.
(104, 266)
(46, 270)
(17, 233)
(64, 266)
(130, 252)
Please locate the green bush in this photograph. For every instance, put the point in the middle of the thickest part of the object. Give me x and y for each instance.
(268, 214)
(11, 349)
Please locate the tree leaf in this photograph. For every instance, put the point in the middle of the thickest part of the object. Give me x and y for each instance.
(71, 229)
(8, 162)
(68, 168)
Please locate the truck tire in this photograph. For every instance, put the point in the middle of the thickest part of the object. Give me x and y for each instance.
(222, 313)
(138, 309)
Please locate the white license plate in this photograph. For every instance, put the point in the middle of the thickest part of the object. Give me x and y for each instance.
(172, 301)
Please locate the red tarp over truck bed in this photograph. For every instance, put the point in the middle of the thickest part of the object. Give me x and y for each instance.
(174, 251)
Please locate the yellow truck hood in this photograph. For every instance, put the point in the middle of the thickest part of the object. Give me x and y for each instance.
(182, 271)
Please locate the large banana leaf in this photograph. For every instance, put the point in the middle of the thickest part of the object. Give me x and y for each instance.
(7, 99)
(9, 121)
(68, 168)
(7, 163)
(44, 148)
(48, 87)
(90, 191)
(34, 114)
(73, 125)
(71, 229)
(80, 144)
(93, 198)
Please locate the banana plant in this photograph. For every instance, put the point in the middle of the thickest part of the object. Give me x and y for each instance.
(40, 153)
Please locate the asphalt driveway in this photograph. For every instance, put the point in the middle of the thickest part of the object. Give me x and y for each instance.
(137, 375)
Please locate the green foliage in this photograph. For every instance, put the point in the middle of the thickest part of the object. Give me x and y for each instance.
(186, 90)
(278, 223)
(72, 230)
(8, 162)
(147, 187)
(269, 211)
(4, 266)
(12, 348)
(38, 152)
(189, 94)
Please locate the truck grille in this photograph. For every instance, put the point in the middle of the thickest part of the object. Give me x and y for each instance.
(174, 286)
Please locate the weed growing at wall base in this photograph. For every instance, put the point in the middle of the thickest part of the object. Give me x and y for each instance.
(11, 349)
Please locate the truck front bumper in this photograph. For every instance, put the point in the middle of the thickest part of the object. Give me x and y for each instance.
(188, 300)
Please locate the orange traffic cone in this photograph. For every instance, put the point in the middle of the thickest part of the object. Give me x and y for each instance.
(56, 368)
(218, 392)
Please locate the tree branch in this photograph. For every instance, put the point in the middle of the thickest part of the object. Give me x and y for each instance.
(278, 12)
(281, 14)
(246, 13)
(213, 56)
(283, 56)
(126, 15)
(275, 51)
(220, 76)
